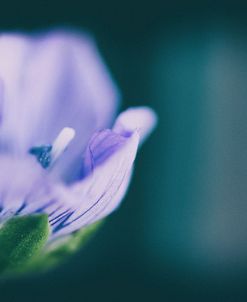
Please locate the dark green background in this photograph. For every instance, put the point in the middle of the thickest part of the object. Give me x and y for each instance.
(180, 233)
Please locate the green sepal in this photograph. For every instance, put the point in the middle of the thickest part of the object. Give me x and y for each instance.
(61, 250)
(21, 239)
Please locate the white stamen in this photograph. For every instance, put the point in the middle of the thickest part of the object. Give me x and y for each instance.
(61, 142)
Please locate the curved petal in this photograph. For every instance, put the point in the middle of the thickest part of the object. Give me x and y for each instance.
(52, 81)
(98, 194)
(108, 166)
(141, 119)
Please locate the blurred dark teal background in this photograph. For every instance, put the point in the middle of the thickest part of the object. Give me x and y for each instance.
(181, 233)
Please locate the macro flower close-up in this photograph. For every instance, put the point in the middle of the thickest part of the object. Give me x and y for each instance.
(123, 158)
(66, 158)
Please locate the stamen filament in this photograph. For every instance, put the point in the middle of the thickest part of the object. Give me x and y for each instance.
(48, 154)
(61, 142)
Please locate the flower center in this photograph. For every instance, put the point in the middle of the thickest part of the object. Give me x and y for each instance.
(48, 154)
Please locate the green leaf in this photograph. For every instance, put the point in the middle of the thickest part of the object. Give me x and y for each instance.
(21, 239)
(60, 251)
(24, 247)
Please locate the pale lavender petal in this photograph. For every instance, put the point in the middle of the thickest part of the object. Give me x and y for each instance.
(1, 102)
(141, 119)
(52, 81)
(101, 192)
(116, 199)
(20, 180)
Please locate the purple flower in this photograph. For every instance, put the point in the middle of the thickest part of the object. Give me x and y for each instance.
(61, 153)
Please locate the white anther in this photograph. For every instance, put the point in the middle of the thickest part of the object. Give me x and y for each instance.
(61, 142)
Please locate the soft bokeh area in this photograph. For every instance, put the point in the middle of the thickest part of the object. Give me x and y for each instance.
(181, 232)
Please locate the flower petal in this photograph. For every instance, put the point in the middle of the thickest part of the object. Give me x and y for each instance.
(101, 192)
(1, 102)
(141, 119)
(21, 181)
(53, 81)
(107, 171)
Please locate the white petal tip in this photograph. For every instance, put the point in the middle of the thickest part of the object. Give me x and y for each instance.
(141, 119)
